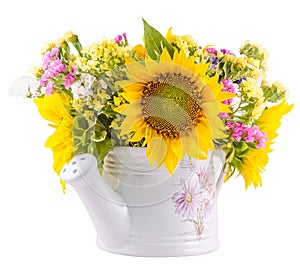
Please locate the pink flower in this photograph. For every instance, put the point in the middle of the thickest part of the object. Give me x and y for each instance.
(212, 50)
(52, 66)
(69, 80)
(49, 88)
(48, 57)
(240, 131)
(223, 115)
(121, 38)
(187, 200)
(230, 87)
(118, 39)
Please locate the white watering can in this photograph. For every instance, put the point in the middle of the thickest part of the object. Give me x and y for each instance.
(142, 210)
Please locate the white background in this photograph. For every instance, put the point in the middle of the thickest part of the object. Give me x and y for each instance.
(41, 226)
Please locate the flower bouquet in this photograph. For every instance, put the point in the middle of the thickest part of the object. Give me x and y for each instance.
(170, 95)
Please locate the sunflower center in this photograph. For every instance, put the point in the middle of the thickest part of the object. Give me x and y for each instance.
(171, 104)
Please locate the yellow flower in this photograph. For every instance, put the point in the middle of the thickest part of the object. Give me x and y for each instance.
(260, 105)
(60, 42)
(252, 88)
(103, 56)
(279, 87)
(47, 47)
(185, 43)
(69, 36)
(53, 108)
(140, 51)
(173, 108)
(255, 162)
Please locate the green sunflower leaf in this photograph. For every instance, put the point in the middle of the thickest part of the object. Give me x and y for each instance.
(155, 42)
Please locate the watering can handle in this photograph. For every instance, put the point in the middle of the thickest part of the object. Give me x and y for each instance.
(222, 171)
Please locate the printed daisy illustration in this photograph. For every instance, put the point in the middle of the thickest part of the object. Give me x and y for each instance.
(194, 200)
(187, 199)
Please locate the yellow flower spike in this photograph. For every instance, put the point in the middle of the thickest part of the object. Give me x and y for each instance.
(173, 106)
(53, 109)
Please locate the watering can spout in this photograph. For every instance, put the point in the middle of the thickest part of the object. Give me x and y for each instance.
(106, 207)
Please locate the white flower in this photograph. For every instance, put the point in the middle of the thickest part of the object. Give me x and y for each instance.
(83, 87)
(103, 84)
(23, 86)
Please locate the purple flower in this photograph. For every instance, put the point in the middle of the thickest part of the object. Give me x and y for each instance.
(214, 61)
(226, 51)
(187, 200)
(239, 81)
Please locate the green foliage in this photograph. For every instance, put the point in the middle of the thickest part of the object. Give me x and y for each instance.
(93, 139)
(155, 42)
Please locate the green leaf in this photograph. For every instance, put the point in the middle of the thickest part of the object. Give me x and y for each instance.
(82, 134)
(241, 146)
(104, 147)
(155, 42)
(237, 163)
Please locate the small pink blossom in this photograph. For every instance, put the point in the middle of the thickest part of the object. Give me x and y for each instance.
(229, 87)
(211, 50)
(223, 115)
(69, 80)
(240, 131)
(49, 88)
(52, 66)
(48, 57)
(120, 38)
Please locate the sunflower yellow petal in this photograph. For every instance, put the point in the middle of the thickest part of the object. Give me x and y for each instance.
(157, 151)
(169, 35)
(132, 95)
(128, 124)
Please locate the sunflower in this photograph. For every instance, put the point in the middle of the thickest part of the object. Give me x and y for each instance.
(172, 108)
(255, 162)
(53, 108)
